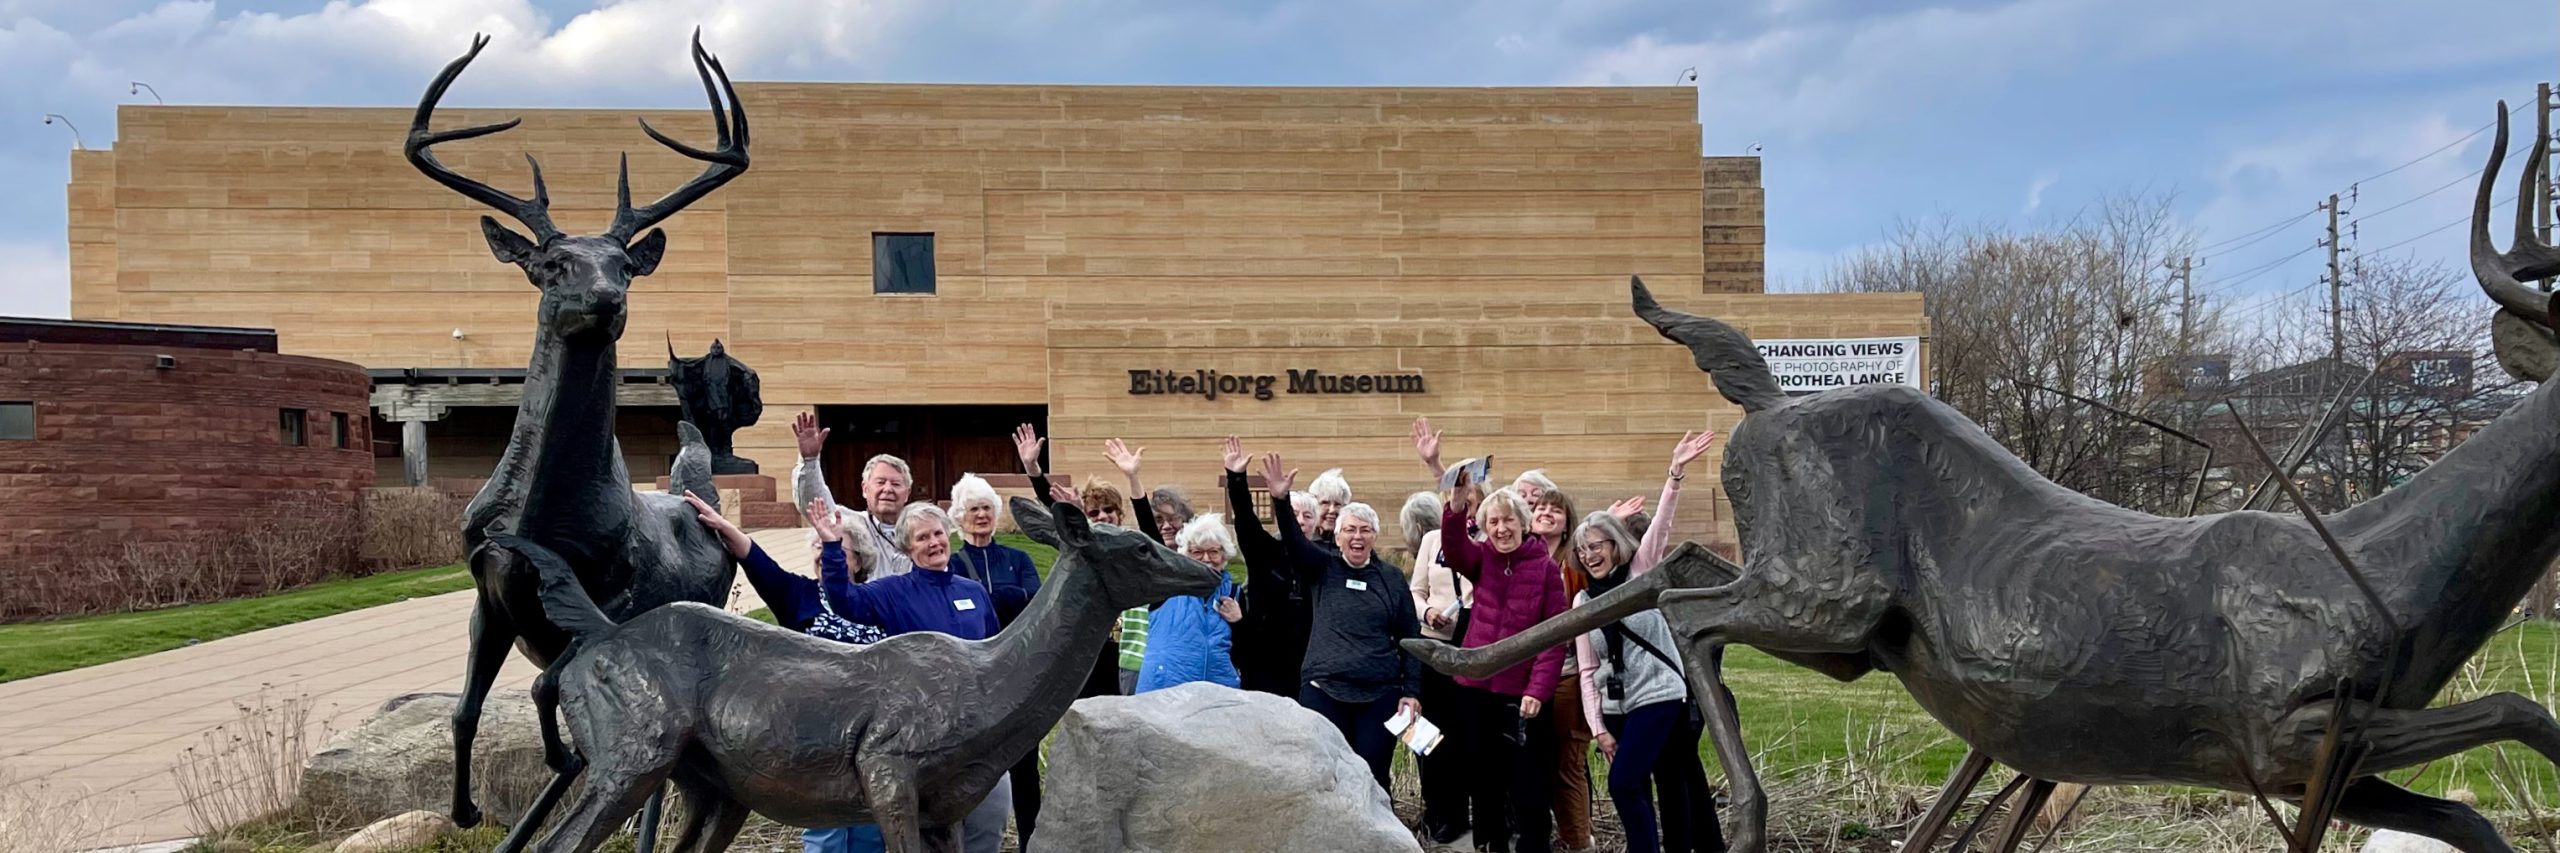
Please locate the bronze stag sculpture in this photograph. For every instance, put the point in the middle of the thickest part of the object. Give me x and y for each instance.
(2079, 641)
(561, 482)
(909, 733)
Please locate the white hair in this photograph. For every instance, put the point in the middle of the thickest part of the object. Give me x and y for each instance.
(1509, 499)
(1302, 502)
(1421, 515)
(856, 525)
(891, 461)
(1330, 486)
(1207, 529)
(918, 513)
(1535, 477)
(1360, 511)
(971, 491)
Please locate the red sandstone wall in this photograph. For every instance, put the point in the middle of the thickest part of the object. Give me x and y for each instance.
(126, 452)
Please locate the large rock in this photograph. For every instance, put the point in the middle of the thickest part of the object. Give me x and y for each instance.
(1205, 767)
(398, 833)
(2391, 841)
(401, 760)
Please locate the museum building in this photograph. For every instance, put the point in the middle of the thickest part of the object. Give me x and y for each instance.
(924, 266)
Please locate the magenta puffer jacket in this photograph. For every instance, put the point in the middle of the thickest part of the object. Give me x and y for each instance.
(1512, 592)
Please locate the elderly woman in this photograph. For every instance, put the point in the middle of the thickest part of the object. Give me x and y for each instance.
(1551, 517)
(1635, 693)
(1012, 580)
(1191, 637)
(1116, 672)
(1355, 674)
(1517, 585)
(798, 604)
(1439, 601)
(930, 598)
(1271, 641)
(1331, 492)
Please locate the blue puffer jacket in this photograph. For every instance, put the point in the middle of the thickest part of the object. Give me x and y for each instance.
(1188, 641)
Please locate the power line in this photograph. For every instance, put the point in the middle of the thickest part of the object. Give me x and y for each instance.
(2448, 185)
(2446, 147)
(2259, 233)
(2233, 280)
(2254, 241)
(2432, 231)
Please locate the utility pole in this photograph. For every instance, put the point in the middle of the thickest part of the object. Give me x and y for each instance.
(2542, 182)
(2186, 307)
(2337, 314)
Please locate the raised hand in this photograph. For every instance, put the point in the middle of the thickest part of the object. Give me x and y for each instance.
(1026, 447)
(1627, 508)
(1276, 477)
(1464, 493)
(1065, 495)
(804, 427)
(1692, 446)
(1234, 455)
(1124, 459)
(730, 536)
(1426, 443)
(823, 518)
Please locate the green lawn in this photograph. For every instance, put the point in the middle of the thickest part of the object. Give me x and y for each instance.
(1795, 719)
(37, 648)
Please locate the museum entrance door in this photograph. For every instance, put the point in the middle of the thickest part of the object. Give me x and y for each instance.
(939, 442)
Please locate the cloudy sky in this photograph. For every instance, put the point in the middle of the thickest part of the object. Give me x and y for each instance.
(1868, 113)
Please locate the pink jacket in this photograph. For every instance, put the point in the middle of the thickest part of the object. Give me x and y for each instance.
(1512, 592)
(1657, 539)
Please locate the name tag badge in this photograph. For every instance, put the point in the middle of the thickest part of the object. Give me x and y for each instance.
(963, 605)
(1357, 585)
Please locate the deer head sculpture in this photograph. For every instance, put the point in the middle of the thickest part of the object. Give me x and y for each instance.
(584, 278)
(2524, 328)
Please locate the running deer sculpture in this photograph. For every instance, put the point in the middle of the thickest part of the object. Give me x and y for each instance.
(909, 733)
(561, 482)
(2078, 641)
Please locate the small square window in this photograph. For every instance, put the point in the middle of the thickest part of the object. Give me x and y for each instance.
(289, 427)
(901, 263)
(17, 421)
(338, 429)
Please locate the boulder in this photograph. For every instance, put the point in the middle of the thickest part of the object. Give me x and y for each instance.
(1206, 767)
(2393, 841)
(398, 833)
(401, 760)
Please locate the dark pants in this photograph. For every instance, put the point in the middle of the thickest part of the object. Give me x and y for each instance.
(1446, 771)
(1657, 745)
(1026, 793)
(1515, 773)
(1363, 726)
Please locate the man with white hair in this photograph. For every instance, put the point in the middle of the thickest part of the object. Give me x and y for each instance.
(886, 482)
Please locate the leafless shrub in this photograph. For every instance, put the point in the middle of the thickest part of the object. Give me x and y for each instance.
(411, 527)
(38, 816)
(250, 767)
(302, 539)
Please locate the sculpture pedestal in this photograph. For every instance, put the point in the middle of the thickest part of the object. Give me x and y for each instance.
(761, 504)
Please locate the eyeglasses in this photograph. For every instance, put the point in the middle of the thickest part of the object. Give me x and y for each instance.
(1586, 548)
(1208, 556)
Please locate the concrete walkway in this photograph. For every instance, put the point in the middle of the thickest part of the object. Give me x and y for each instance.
(98, 744)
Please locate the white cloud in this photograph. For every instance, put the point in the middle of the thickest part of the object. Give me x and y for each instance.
(2035, 190)
(35, 279)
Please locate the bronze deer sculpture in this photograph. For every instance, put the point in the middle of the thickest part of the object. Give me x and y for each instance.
(2082, 642)
(909, 733)
(562, 482)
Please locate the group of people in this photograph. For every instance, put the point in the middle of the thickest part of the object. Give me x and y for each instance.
(1318, 618)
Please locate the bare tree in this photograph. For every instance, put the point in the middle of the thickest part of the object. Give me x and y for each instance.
(2420, 329)
(2025, 320)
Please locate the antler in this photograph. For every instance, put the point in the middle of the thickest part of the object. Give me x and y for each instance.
(2530, 258)
(728, 161)
(535, 214)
